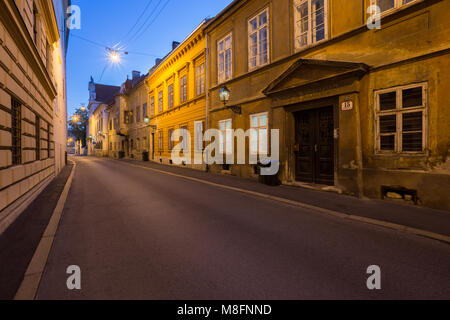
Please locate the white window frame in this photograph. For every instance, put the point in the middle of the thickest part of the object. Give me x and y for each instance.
(258, 128)
(200, 79)
(250, 33)
(399, 112)
(161, 101)
(222, 74)
(310, 38)
(183, 88)
(397, 5)
(225, 135)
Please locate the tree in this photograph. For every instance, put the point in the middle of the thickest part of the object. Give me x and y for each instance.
(78, 124)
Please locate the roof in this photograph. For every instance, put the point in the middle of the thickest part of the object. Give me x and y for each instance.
(105, 93)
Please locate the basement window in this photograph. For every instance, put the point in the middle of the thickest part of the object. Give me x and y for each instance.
(401, 115)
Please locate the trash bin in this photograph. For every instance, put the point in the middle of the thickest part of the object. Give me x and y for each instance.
(268, 180)
(145, 156)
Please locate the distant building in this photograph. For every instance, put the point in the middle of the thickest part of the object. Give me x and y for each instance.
(33, 115)
(100, 97)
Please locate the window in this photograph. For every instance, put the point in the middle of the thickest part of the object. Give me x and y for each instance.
(161, 140)
(258, 40)
(200, 79)
(138, 144)
(49, 147)
(170, 95)
(183, 89)
(259, 134)
(311, 23)
(152, 106)
(226, 137)
(386, 5)
(38, 137)
(401, 119)
(138, 114)
(224, 58)
(199, 128)
(16, 131)
(161, 101)
(126, 116)
(131, 117)
(170, 135)
(144, 111)
(184, 137)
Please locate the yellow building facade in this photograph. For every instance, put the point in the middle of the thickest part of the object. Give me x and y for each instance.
(361, 109)
(177, 96)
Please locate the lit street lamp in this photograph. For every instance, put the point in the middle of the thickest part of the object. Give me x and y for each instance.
(224, 96)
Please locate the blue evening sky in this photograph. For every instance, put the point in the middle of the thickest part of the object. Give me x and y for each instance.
(107, 22)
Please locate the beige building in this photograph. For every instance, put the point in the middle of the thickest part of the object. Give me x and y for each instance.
(363, 111)
(33, 42)
(101, 97)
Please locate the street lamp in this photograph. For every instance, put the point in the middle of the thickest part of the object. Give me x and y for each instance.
(75, 119)
(224, 96)
(146, 120)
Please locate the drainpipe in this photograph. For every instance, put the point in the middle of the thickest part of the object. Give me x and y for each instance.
(207, 93)
(359, 156)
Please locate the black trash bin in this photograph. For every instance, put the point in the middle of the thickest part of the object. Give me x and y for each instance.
(268, 180)
(145, 156)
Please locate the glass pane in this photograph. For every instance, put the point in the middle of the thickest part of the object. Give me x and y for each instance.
(412, 97)
(254, 122)
(388, 124)
(253, 25)
(412, 142)
(263, 46)
(387, 143)
(228, 63)
(412, 121)
(228, 124)
(388, 101)
(263, 120)
(263, 19)
(221, 46)
(386, 4)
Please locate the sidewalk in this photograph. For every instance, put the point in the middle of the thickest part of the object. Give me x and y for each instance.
(437, 221)
(19, 242)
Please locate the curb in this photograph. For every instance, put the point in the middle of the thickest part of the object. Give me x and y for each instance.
(32, 278)
(380, 223)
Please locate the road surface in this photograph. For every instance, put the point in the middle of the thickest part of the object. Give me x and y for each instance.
(139, 234)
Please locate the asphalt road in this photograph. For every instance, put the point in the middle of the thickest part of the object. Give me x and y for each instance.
(138, 234)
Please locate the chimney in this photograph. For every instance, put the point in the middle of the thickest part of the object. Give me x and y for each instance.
(135, 74)
(175, 44)
(157, 61)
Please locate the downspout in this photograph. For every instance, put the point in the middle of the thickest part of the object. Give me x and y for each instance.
(207, 94)
(359, 155)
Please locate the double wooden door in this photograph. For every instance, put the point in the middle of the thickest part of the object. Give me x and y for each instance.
(314, 149)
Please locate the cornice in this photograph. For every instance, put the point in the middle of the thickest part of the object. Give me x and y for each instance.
(48, 12)
(15, 26)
